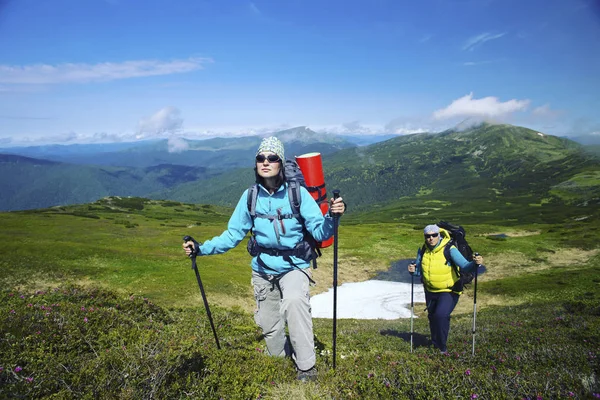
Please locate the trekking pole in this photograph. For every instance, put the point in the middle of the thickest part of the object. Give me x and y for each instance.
(193, 255)
(336, 220)
(475, 306)
(412, 308)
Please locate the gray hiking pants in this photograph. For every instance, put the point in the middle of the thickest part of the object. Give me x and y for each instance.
(286, 301)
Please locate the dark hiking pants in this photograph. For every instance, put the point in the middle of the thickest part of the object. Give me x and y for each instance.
(439, 308)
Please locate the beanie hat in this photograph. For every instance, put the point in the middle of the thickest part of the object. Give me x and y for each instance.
(273, 145)
(431, 228)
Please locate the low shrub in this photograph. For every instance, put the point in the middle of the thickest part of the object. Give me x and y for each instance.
(73, 342)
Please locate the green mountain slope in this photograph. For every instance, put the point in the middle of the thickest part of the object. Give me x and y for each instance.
(488, 161)
(31, 183)
(494, 164)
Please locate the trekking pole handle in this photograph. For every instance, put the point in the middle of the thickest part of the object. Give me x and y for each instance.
(336, 194)
(195, 248)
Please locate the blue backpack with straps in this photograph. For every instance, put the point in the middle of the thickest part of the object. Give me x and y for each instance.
(307, 249)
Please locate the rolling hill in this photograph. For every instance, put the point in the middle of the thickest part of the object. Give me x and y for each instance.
(493, 164)
(29, 183)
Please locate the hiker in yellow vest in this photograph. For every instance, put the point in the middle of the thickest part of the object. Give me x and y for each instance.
(439, 279)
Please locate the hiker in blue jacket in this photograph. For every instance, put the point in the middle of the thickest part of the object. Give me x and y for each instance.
(281, 273)
(439, 278)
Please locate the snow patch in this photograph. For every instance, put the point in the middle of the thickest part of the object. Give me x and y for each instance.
(368, 300)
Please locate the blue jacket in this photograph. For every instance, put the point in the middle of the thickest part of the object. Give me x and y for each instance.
(285, 237)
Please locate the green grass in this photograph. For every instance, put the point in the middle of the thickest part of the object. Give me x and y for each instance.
(100, 302)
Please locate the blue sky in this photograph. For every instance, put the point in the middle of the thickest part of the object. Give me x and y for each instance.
(76, 71)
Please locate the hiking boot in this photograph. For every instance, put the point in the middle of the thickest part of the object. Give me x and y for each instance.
(308, 375)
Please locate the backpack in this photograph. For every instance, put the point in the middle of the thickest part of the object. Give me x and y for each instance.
(308, 249)
(458, 240)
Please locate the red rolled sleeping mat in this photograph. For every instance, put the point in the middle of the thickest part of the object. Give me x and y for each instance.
(311, 166)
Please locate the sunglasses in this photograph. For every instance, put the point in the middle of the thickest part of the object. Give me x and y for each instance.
(271, 157)
(427, 236)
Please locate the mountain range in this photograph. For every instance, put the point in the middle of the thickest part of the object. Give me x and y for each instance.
(216, 153)
(491, 163)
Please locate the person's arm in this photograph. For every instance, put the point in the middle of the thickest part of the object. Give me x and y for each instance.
(237, 228)
(460, 261)
(417, 264)
(319, 226)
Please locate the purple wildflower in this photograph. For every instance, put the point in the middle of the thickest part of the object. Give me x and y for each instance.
(474, 396)
(18, 369)
(85, 320)
(468, 372)
(29, 379)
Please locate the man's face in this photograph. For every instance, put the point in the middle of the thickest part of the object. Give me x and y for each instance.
(432, 238)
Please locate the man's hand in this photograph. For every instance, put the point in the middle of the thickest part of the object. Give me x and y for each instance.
(412, 267)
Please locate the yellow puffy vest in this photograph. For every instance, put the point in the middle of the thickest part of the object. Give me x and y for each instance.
(438, 276)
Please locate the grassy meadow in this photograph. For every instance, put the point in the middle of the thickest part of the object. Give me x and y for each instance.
(99, 301)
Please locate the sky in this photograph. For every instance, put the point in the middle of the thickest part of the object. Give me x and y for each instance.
(85, 71)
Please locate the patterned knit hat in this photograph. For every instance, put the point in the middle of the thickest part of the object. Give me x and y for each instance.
(431, 228)
(273, 145)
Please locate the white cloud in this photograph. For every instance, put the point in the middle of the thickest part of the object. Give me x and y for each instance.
(478, 40)
(164, 121)
(353, 128)
(177, 145)
(487, 107)
(254, 8)
(475, 63)
(425, 38)
(546, 111)
(83, 73)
